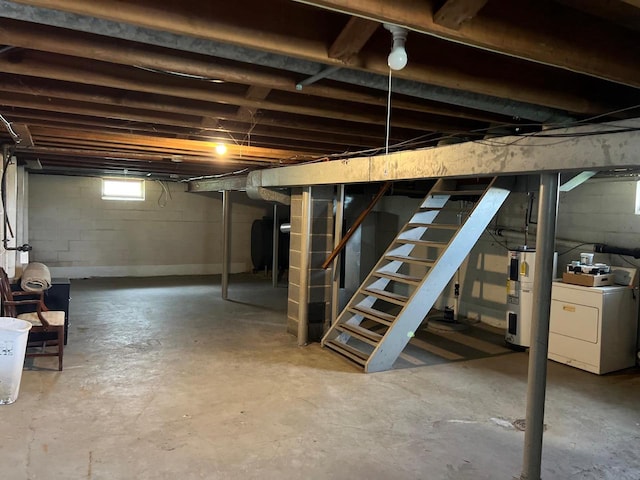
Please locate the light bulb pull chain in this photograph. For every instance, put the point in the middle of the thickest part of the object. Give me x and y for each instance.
(388, 126)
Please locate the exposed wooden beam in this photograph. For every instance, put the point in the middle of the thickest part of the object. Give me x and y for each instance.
(310, 147)
(83, 108)
(256, 92)
(84, 45)
(45, 88)
(26, 140)
(616, 11)
(316, 125)
(557, 39)
(352, 38)
(39, 90)
(74, 70)
(633, 3)
(551, 35)
(261, 136)
(81, 154)
(49, 159)
(57, 101)
(108, 153)
(85, 122)
(138, 141)
(456, 12)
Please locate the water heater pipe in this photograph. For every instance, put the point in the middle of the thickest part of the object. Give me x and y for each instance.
(631, 252)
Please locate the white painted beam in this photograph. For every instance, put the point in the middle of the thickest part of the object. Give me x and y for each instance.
(615, 146)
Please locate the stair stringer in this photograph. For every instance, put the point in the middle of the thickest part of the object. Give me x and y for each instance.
(425, 295)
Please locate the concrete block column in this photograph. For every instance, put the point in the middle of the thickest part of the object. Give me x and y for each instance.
(309, 297)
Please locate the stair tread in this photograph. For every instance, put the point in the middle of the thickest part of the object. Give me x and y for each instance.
(386, 294)
(361, 333)
(348, 351)
(424, 243)
(448, 226)
(457, 192)
(373, 314)
(409, 259)
(399, 277)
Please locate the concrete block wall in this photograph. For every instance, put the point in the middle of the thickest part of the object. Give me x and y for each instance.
(77, 234)
(295, 257)
(600, 211)
(320, 245)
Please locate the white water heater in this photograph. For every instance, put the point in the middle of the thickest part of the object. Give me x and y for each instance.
(520, 275)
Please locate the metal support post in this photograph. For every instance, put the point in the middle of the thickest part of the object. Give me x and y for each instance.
(305, 246)
(337, 237)
(226, 227)
(275, 242)
(537, 378)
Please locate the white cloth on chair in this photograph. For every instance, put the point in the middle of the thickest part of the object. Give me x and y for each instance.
(36, 278)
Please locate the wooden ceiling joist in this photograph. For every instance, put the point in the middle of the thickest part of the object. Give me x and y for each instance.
(551, 35)
(259, 142)
(81, 45)
(176, 144)
(175, 78)
(120, 77)
(38, 89)
(456, 12)
(115, 155)
(83, 108)
(616, 12)
(352, 39)
(553, 41)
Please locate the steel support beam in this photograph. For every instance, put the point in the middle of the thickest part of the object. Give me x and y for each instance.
(226, 252)
(536, 389)
(275, 245)
(594, 147)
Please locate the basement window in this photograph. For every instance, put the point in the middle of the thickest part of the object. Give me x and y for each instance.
(117, 189)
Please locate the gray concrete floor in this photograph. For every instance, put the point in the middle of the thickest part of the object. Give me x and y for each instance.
(163, 380)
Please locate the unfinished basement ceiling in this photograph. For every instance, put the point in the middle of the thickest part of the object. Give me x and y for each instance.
(152, 87)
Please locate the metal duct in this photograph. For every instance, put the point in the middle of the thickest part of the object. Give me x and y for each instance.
(268, 195)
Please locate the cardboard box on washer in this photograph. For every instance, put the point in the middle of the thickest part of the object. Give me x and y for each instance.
(587, 279)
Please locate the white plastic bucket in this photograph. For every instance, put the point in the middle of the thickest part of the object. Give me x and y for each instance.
(13, 345)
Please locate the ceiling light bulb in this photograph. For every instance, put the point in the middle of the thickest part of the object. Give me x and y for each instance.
(397, 59)
(221, 149)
